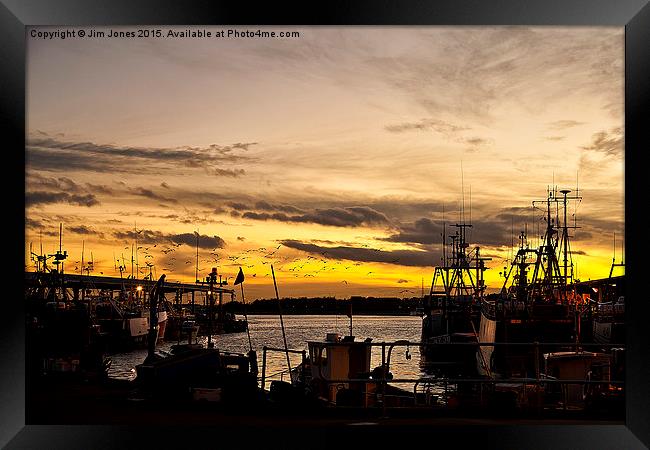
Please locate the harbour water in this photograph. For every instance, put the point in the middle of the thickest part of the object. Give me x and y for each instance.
(265, 330)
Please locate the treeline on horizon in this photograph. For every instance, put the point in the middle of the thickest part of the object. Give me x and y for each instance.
(324, 305)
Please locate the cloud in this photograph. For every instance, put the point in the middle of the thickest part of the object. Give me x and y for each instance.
(83, 229)
(237, 206)
(101, 189)
(608, 143)
(152, 195)
(48, 153)
(437, 125)
(351, 216)
(449, 131)
(400, 257)
(402, 280)
(42, 198)
(47, 190)
(563, 124)
(266, 206)
(157, 237)
(234, 173)
(422, 231)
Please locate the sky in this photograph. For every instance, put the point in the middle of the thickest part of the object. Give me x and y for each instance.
(335, 156)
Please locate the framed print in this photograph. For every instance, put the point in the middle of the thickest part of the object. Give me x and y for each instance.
(385, 219)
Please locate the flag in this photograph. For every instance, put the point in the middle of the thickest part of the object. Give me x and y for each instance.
(240, 277)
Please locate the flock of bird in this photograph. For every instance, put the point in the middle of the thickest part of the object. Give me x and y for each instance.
(310, 266)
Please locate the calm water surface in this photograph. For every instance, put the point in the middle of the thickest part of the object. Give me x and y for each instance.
(265, 330)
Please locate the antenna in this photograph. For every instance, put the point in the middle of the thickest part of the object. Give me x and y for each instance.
(196, 272)
(512, 236)
(135, 232)
(82, 257)
(462, 191)
(622, 248)
(470, 204)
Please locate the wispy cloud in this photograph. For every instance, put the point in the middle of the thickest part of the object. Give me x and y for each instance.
(563, 124)
(609, 143)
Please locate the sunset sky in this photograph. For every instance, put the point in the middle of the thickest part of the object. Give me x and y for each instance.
(331, 155)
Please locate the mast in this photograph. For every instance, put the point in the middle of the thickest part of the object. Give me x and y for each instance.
(284, 336)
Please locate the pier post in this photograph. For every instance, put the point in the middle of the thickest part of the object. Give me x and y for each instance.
(383, 379)
(263, 367)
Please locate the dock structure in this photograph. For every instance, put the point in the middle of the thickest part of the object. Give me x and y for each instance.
(74, 281)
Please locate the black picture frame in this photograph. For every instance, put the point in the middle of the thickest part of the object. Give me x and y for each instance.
(15, 15)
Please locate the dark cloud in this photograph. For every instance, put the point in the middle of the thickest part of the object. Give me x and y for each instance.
(83, 229)
(44, 190)
(266, 206)
(234, 173)
(399, 257)
(402, 280)
(100, 189)
(157, 237)
(38, 181)
(152, 195)
(351, 216)
(33, 224)
(422, 231)
(238, 206)
(49, 153)
(42, 197)
(204, 240)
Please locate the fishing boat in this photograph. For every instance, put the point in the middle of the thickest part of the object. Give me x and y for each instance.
(62, 336)
(126, 321)
(191, 371)
(538, 302)
(539, 327)
(451, 309)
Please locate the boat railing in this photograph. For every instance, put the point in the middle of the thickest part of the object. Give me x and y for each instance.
(265, 377)
(502, 309)
(443, 392)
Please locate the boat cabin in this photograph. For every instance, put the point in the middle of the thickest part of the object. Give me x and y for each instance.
(336, 360)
